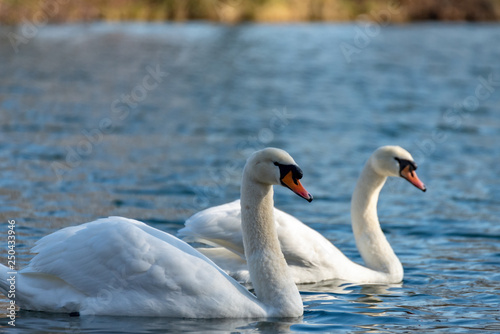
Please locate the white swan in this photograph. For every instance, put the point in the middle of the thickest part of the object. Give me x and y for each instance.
(119, 266)
(310, 256)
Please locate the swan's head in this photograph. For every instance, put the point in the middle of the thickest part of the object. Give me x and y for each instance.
(396, 161)
(273, 166)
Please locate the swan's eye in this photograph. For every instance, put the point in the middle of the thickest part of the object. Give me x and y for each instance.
(403, 163)
(286, 169)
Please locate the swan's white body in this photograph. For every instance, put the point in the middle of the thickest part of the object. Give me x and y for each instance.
(119, 266)
(310, 256)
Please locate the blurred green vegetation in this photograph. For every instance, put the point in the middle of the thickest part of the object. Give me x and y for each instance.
(234, 11)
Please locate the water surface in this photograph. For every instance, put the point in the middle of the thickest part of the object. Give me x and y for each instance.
(155, 121)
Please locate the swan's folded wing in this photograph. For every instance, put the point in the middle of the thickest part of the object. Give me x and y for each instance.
(122, 257)
(220, 226)
(302, 245)
(233, 264)
(216, 226)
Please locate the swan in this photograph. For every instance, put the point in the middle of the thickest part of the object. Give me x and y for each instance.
(119, 266)
(310, 256)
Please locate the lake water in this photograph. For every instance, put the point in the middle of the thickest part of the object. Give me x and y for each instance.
(155, 121)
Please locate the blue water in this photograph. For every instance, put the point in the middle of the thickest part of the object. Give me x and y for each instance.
(154, 122)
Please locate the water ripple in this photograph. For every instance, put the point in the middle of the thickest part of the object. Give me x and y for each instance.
(233, 89)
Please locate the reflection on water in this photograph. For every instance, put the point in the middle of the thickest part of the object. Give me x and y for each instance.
(154, 122)
(59, 323)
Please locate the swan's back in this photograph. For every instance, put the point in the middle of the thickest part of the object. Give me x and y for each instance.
(308, 254)
(216, 226)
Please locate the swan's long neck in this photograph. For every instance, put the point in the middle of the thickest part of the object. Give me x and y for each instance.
(268, 269)
(370, 240)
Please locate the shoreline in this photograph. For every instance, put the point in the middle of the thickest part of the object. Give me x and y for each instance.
(16, 12)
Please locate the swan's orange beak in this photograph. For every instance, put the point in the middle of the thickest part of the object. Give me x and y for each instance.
(409, 174)
(295, 186)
